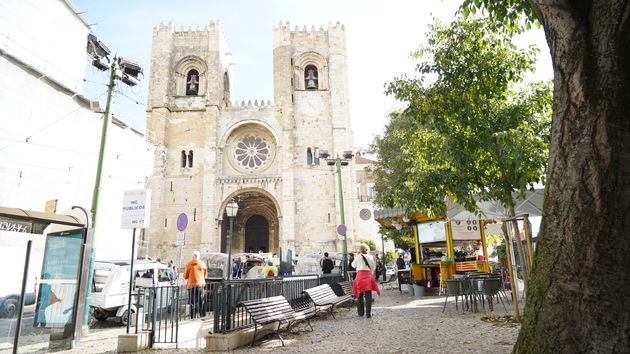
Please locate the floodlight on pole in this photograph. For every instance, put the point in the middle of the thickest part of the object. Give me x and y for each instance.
(338, 162)
(99, 51)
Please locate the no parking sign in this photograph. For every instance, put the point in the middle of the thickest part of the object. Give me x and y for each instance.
(182, 222)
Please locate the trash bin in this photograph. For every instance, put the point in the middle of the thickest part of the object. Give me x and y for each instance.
(418, 290)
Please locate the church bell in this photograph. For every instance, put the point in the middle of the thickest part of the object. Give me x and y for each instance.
(311, 80)
(310, 84)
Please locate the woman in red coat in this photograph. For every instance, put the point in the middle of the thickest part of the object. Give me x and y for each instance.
(364, 283)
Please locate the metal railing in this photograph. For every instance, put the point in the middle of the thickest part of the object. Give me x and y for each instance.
(228, 316)
(161, 309)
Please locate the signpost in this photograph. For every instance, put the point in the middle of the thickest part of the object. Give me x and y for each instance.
(182, 224)
(341, 230)
(135, 214)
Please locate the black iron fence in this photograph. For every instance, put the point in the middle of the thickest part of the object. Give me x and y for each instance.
(161, 309)
(228, 316)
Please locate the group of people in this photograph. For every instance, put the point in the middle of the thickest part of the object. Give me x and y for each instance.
(241, 268)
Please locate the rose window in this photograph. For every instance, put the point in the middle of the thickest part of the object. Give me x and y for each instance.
(252, 152)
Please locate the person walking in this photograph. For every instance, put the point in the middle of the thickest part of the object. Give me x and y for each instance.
(327, 264)
(364, 283)
(236, 265)
(172, 272)
(195, 275)
(400, 262)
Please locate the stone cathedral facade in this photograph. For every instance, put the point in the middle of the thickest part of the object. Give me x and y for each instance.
(210, 150)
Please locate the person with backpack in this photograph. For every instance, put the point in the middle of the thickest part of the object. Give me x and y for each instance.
(327, 264)
(364, 283)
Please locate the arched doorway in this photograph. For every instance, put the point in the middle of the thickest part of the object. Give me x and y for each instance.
(256, 225)
(257, 234)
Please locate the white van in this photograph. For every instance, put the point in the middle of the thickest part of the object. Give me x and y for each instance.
(110, 289)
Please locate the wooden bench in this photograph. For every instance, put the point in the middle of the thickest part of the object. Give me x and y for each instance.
(346, 287)
(324, 295)
(274, 309)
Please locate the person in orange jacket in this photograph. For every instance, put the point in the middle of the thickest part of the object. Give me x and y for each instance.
(195, 275)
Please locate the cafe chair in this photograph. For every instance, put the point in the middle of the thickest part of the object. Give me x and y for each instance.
(453, 288)
(490, 289)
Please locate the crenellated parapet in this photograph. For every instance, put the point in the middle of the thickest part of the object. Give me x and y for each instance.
(284, 35)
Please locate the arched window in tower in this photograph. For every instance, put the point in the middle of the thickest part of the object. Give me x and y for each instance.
(310, 77)
(190, 158)
(192, 83)
(309, 157)
(183, 164)
(316, 156)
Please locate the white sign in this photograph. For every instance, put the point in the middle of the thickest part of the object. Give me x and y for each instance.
(181, 238)
(466, 229)
(135, 210)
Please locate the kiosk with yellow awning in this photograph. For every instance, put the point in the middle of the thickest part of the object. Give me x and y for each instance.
(442, 248)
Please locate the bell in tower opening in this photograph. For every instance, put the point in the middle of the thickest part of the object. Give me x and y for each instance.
(310, 77)
(192, 83)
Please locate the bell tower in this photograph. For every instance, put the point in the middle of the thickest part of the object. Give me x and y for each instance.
(188, 87)
(311, 90)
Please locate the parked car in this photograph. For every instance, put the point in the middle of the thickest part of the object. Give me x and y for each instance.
(390, 271)
(110, 286)
(9, 304)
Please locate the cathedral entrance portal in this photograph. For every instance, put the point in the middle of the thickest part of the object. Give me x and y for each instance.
(256, 226)
(257, 234)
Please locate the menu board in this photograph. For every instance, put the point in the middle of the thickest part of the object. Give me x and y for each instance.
(431, 232)
(466, 229)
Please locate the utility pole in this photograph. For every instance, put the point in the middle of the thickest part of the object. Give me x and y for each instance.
(127, 72)
(97, 185)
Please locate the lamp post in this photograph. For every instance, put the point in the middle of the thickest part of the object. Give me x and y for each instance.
(338, 162)
(231, 209)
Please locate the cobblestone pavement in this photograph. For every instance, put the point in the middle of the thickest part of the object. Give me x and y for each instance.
(400, 324)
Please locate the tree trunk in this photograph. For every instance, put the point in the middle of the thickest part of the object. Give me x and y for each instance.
(579, 292)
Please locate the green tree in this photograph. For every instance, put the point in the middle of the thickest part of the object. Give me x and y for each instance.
(402, 238)
(583, 244)
(469, 132)
(370, 244)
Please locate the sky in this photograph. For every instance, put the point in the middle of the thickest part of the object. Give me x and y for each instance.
(380, 35)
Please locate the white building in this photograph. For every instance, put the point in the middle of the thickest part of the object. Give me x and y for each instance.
(50, 135)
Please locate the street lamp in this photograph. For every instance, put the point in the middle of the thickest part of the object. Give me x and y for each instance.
(230, 209)
(347, 156)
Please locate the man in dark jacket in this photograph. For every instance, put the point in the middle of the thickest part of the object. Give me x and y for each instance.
(327, 264)
(400, 262)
